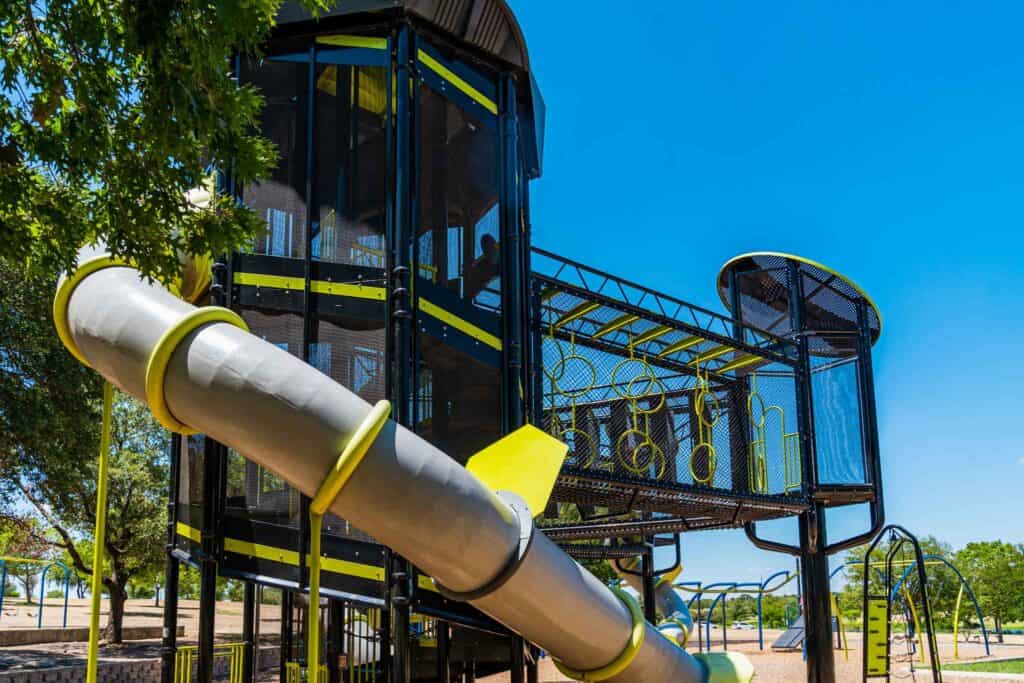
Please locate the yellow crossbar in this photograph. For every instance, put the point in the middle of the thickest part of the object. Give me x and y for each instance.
(616, 324)
(577, 312)
(711, 354)
(742, 362)
(681, 345)
(651, 334)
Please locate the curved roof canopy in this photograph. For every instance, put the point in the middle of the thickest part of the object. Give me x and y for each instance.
(487, 25)
(830, 300)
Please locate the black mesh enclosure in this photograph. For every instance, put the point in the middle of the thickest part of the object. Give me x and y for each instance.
(664, 417)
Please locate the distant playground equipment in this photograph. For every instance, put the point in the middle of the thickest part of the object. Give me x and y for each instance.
(46, 565)
(396, 403)
(878, 608)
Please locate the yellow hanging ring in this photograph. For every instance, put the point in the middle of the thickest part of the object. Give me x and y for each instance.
(712, 463)
(156, 368)
(575, 450)
(656, 458)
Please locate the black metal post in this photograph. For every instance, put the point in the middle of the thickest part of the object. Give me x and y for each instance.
(401, 315)
(212, 456)
(517, 661)
(532, 666)
(335, 633)
(444, 652)
(401, 671)
(171, 569)
(286, 634)
(248, 632)
(647, 577)
(513, 289)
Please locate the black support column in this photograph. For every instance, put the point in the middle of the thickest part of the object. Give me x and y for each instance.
(814, 572)
(400, 316)
(249, 659)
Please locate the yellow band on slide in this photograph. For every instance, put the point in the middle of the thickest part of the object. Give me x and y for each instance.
(636, 640)
(156, 369)
(63, 297)
(350, 458)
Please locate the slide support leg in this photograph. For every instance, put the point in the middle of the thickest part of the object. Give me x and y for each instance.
(99, 536)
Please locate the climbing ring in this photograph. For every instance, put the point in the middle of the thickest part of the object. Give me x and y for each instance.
(762, 410)
(645, 374)
(575, 446)
(577, 391)
(156, 368)
(561, 361)
(660, 394)
(713, 409)
(712, 463)
(632, 462)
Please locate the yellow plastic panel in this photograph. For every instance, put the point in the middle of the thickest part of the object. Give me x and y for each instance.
(878, 636)
(526, 463)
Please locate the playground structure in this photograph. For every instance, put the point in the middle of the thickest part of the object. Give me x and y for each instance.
(46, 565)
(398, 406)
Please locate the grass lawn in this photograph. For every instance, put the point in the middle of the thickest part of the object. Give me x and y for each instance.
(1010, 666)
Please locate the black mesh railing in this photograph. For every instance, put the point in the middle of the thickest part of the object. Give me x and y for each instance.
(662, 416)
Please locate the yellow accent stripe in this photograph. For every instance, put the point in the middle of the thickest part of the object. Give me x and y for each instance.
(711, 354)
(447, 74)
(298, 284)
(472, 330)
(681, 345)
(653, 333)
(616, 324)
(289, 557)
(188, 532)
(349, 290)
(264, 552)
(271, 281)
(742, 362)
(577, 312)
(427, 584)
(354, 41)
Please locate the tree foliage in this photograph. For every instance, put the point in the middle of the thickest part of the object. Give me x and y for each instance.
(110, 112)
(996, 571)
(49, 440)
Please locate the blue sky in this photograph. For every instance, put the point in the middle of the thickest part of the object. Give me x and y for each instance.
(885, 140)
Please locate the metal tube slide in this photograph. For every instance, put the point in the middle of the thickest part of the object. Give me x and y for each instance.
(677, 622)
(291, 419)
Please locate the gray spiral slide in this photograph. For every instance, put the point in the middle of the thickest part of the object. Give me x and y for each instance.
(288, 417)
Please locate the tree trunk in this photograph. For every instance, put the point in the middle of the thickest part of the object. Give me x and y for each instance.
(116, 588)
(999, 629)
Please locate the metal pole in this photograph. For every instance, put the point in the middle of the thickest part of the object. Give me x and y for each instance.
(286, 634)
(517, 660)
(172, 568)
(402, 390)
(532, 666)
(208, 561)
(444, 651)
(99, 536)
(647, 569)
(248, 624)
(335, 631)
